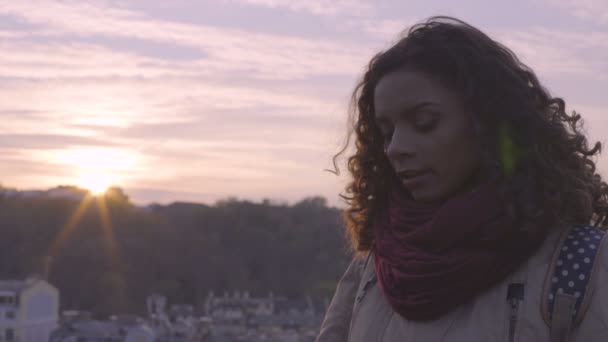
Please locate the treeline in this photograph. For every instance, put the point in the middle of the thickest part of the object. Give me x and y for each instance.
(110, 263)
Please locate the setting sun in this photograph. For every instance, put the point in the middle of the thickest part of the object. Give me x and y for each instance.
(97, 183)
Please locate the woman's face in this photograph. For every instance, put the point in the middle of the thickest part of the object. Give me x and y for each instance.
(428, 135)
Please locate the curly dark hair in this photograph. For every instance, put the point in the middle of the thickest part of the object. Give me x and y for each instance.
(537, 151)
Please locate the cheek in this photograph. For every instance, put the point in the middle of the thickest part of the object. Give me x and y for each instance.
(455, 158)
(454, 162)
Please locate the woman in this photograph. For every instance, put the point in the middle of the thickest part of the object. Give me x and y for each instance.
(474, 204)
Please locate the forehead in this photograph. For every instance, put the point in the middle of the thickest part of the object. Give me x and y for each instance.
(403, 89)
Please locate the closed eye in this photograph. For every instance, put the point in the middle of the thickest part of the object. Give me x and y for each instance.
(425, 121)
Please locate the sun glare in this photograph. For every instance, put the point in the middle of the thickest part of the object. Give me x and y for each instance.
(97, 183)
(98, 159)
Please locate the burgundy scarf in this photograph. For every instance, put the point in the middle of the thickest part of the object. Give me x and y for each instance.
(431, 258)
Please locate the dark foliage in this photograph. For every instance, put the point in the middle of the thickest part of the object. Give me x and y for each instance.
(182, 250)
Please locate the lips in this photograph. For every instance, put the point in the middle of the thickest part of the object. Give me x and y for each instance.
(406, 174)
(413, 179)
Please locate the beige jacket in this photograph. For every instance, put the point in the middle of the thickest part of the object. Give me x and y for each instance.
(488, 318)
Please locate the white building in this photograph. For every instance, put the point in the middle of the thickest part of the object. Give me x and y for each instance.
(179, 324)
(29, 310)
(238, 307)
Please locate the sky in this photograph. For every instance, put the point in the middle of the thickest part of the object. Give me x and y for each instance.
(198, 101)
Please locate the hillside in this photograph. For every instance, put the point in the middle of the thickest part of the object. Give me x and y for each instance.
(182, 250)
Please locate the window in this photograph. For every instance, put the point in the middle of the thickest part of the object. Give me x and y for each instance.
(10, 314)
(9, 334)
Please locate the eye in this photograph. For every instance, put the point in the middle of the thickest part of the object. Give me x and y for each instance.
(425, 121)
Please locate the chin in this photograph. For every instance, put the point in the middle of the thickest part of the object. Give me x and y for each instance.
(424, 195)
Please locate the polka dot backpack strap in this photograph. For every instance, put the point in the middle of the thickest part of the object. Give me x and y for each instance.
(569, 281)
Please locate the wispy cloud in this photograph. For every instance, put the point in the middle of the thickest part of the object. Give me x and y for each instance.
(226, 50)
(595, 10)
(319, 7)
(205, 108)
(556, 52)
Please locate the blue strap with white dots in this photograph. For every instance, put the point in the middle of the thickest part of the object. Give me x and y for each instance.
(573, 268)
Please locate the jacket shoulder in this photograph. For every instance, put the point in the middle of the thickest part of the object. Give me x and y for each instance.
(578, 269)
(336, 323)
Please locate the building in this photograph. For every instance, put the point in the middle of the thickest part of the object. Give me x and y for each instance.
(238, 307)
(29, 310)
(116, 330)
(179, 324)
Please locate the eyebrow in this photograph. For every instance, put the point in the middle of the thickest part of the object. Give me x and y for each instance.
(408, 111)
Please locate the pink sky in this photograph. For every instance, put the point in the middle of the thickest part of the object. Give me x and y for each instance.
(201, 100)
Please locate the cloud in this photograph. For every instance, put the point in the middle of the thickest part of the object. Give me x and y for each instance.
(95, 105)
(205, 108)
(268, 56)
(387, 29)
(594, 10)
(319, 7)
(556, 52)
(595, 125)
(48, 141)
(203, 123)
(217, 138)
(60, 60)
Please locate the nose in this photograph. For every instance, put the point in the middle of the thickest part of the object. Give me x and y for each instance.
(401, 146)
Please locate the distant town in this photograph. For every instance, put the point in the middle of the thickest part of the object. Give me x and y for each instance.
(30, 312)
